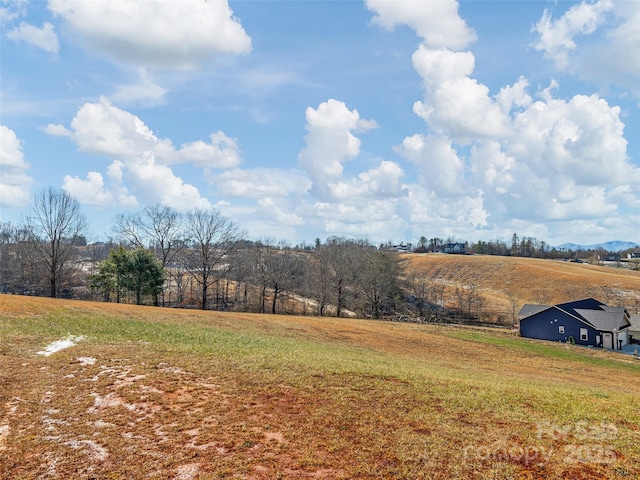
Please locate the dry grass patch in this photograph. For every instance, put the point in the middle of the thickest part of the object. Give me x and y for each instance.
(158, 393)
(503, 280)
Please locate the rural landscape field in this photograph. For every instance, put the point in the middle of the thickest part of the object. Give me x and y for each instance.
(507, 283)
(146, 392)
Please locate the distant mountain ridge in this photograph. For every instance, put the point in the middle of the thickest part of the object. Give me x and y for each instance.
(613, 246)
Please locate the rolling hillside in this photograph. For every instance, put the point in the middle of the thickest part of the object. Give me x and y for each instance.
(505, 282)
(107, 391)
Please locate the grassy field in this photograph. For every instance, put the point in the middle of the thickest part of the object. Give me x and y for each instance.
(505, 283)
(144, 392)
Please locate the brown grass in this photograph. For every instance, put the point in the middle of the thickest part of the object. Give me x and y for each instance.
(504, 281)
(159, 393)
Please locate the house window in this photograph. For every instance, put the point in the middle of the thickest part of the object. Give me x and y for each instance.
(584, 334)
(561, 329)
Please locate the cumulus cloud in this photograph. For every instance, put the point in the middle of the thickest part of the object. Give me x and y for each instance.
(92, 191)
(438, 23)
(441, 168)
(329, 140)
(454, 102)
(142, 160)
(15, 184)
(104, 129)
(361, 204)
(155, 33)
(383, 181)
(556, 37)
(222, 152)
(526, 157)
(44, 38)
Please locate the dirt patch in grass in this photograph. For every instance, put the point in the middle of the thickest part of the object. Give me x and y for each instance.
(154, 393)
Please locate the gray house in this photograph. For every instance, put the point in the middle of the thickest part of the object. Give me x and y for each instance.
(585, 322)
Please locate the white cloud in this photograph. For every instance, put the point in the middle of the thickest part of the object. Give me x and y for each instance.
(511, 96)
(493, 168)
(562, 160)
(92, 191)
(276, 213)
(155, 183)
(615, 60)
(582, 138)
(15, 184)
(455, 103)
(261, 182)
(539, 160)
(441, 169)
(611, 58)
(222, 152)
(437, 22)
(12, 9)
(383, 181)
(142, 160)
(104, 129)
(144, 91)
(44, 38)
(329, 142)
(57, 130)
(156, 33)
(556, 37)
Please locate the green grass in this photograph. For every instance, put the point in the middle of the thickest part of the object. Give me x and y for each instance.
(574, 353)
(365, 409)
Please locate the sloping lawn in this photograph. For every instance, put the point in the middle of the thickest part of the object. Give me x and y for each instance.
(141, 392)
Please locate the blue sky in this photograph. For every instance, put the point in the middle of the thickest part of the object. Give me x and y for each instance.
(302, 119)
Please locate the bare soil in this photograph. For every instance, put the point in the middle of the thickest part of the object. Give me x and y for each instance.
(321, 398)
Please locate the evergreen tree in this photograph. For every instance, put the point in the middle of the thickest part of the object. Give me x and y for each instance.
(137, 272)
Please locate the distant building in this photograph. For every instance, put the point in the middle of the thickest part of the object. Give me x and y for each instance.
(459, 248)
(585, 322)
(403, 247)
(633, 255)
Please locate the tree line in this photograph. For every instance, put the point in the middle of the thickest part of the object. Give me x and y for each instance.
(199, 259)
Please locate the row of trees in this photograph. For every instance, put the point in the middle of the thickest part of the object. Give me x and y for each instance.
(518, 246)
(201, 258)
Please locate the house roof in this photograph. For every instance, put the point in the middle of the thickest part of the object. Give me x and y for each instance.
(600, 316)
(531, 309)
(603, 320)
(586, 303)
(635, 320)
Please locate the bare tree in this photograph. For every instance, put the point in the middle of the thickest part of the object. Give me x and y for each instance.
(513, 306)
(211, 237)
(56, 222)
(339, 260)
(280, 268)
(157, 227)
(378, 278)
(7, 255)
(418, 285)
(321, 277)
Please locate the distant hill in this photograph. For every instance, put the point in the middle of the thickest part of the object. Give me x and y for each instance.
(614, 246)
(507, 283)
